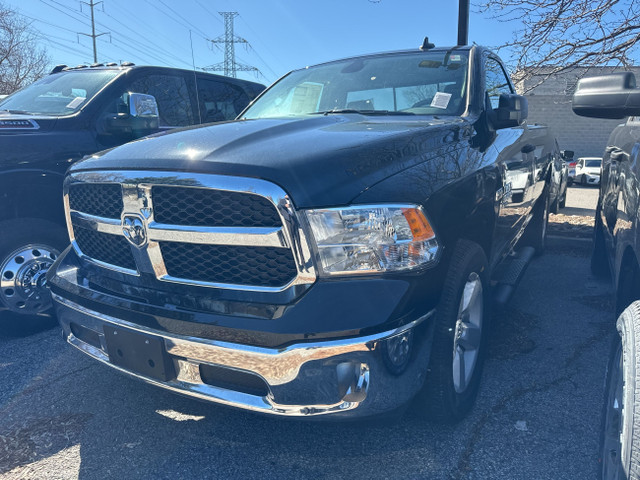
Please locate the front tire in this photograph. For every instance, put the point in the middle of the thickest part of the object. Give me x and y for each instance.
(28, 247)
(620, 445)
(459, 343)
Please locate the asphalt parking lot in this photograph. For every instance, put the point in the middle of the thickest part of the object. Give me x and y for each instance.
(63, 415)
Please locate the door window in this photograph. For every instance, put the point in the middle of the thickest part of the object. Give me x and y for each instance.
(220, 100)
(172, 95)
(496, 82)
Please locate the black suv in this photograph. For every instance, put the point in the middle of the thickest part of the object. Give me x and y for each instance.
(616, 252)
(332, 252)
(71, 113)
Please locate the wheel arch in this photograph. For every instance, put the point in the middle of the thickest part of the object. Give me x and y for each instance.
(628, 280)
(32, 194)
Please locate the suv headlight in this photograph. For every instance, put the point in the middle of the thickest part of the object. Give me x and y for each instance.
(372, 238)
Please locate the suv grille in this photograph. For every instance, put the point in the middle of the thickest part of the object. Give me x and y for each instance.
(100, 199)
(212, 208)
(111, 249)
(205, 230)
(253, 266)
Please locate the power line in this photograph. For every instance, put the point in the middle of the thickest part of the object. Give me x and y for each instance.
(47, 23)
(173, 18)
(209, 12)
(144, 45)
(263, 44)
(61, 11)
(93, 34)
(229, 39)
(204, 35)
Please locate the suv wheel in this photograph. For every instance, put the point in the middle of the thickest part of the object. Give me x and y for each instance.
(620, 453)
(28, 247)
(459, 342)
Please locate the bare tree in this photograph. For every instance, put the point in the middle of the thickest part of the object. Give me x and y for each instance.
(22, 60)
(559, 35)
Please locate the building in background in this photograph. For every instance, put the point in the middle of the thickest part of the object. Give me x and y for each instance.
(550, 104)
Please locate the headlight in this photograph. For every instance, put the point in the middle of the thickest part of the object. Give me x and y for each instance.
(372, 238)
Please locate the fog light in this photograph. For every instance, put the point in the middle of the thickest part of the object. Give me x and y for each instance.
(396, 352)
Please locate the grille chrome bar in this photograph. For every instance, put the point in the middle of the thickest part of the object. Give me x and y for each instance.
(95, 223)
(241, 236)
(138, 201)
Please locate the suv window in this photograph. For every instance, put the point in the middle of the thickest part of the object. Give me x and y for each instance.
(60, 94)
(219, 100)
(496, 81)
(172, 95)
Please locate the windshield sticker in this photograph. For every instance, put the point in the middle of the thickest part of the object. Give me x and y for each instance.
(76, 102)
(306, 98)
(441, 100)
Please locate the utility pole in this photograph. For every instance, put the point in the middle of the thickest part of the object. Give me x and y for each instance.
(463, 22)
(230, 67)
(93, 35)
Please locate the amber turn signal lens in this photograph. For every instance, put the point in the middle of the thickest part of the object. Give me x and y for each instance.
(420, 228)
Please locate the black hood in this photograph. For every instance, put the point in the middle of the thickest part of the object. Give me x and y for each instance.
(319, 160)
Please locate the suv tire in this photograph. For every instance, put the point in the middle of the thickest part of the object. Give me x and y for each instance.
(619, 445)
(459, 343)
(28, 247)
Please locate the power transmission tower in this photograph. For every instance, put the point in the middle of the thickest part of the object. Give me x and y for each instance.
(93, 34)
(230, 67)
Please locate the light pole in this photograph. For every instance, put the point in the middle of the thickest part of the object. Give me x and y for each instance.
(463, 22)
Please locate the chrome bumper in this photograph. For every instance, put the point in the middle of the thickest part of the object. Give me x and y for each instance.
(351, 370)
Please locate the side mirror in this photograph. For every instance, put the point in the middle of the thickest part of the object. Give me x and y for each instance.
(512, 111)
(140, 118)
(143, 106)
(607, 96)
(567, 154)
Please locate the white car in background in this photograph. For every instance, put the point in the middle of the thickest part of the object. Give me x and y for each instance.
(588, 170)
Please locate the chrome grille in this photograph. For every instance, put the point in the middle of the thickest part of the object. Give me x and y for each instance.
(208, 230)
(100, 199)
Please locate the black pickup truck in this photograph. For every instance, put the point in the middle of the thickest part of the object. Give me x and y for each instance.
(64, 116)
(333, 251)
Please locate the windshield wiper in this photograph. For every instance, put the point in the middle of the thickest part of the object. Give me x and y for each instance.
(362, 112)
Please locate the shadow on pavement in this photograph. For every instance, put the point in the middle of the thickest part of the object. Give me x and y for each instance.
(13, 325)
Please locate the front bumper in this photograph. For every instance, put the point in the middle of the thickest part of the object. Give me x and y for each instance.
(592, 179)
(342, 377)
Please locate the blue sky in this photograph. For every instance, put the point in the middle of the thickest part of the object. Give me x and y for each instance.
(284, 35)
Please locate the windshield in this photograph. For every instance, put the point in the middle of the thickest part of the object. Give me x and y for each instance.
(593, 163)
(60, 94)
(423, 83)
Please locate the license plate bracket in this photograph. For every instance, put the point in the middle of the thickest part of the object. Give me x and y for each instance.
(139, 353)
